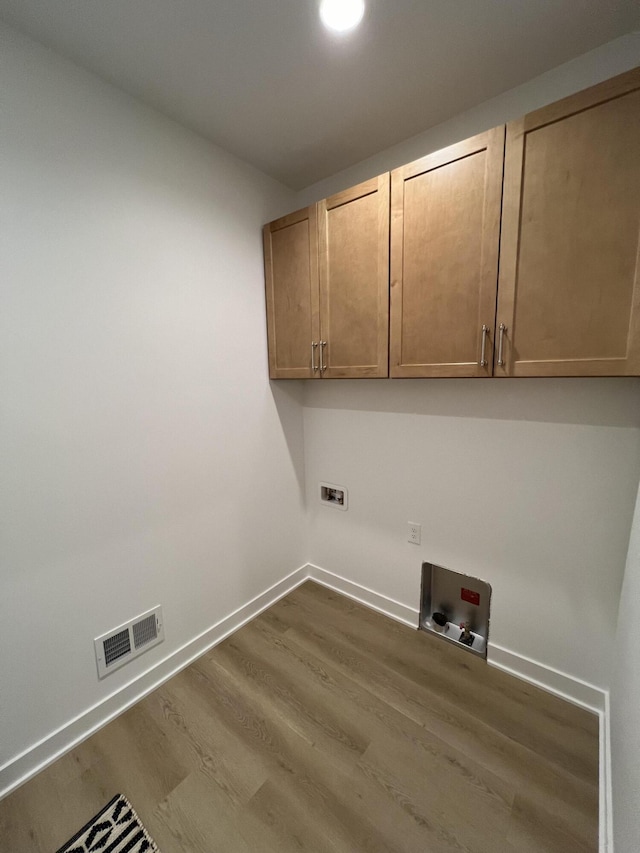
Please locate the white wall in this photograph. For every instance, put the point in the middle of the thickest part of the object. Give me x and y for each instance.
(600, 64)
(527, 484)
(144, 457)
(625, 705)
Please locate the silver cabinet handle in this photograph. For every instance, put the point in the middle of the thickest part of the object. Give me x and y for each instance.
(314, 346)
(323, 364)
(503, 329)
(483, 360)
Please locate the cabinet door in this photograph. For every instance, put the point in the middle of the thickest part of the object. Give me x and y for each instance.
(291, 276)
(569, 290)
(445, 228)
(354, 281)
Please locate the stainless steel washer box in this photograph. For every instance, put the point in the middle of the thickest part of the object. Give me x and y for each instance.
(461, 598)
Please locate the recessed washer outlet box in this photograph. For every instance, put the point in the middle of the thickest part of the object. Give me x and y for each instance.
(455, 607)
(128, 641)
(335, 496)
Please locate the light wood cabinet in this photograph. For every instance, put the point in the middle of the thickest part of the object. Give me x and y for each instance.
(445, 231)
(354, 281)
(558, 205)
(292, 294)
(569, 289)
(327, 287)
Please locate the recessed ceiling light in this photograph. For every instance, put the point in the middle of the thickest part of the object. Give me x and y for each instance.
(341, 15)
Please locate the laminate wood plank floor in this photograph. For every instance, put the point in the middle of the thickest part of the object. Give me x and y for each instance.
(325, 727)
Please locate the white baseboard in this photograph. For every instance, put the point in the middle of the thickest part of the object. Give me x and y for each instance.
(579, 693)
(552, 680)
(375, 600)
(46, 751)
(606, 790)
(34, 759)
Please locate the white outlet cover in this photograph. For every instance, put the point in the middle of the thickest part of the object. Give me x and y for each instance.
(414, 533)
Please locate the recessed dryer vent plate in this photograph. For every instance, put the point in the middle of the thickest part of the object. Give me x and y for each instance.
(335, 496)
(455, 599)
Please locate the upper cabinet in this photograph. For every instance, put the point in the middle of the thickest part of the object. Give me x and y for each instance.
(353, 229)
(291, 275)
(445, 231)
(555, 207)
(327, 281)
(569, 289)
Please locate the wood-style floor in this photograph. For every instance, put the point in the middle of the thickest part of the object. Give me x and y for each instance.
(323, 726)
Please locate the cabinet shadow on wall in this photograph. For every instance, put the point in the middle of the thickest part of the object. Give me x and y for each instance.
(589, 401)
(288, 398)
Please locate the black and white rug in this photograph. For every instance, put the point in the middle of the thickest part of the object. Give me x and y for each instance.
(115, 829)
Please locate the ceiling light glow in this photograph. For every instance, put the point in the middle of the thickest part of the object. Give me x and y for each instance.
(341, 15)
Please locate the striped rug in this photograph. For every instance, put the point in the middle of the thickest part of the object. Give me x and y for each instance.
(115, 829)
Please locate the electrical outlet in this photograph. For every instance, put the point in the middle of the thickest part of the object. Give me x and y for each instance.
(414, 533)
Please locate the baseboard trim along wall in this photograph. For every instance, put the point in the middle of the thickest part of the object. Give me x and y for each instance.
(387, 606)
(45, 752)
(606, 790)
(546, 677)
(565, 686)
(552, 680)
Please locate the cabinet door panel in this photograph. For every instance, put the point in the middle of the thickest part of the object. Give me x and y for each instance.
(569, 291)
(291, 275)
(354, 280)
(444, 259)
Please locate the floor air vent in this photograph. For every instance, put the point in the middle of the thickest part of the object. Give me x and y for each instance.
(126, 642)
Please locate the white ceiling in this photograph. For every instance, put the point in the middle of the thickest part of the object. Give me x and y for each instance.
(264, 80)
